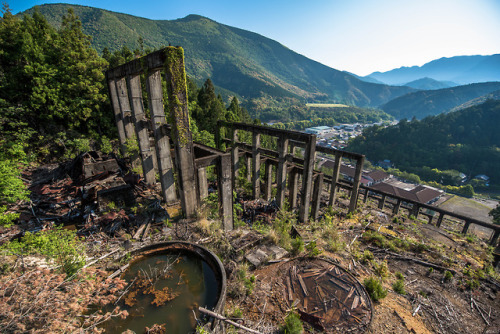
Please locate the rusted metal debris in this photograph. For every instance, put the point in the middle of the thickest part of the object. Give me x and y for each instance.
(93, 192)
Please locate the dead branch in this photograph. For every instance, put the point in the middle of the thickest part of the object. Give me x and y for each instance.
(220, 317)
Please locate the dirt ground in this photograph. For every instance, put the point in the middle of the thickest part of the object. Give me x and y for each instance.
(449, 283)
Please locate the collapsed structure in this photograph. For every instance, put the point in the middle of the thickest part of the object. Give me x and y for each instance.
(183, 174)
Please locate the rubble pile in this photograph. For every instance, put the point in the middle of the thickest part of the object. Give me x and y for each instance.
(93, 193)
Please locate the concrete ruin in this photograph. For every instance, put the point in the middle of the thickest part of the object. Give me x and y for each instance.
(282, 168)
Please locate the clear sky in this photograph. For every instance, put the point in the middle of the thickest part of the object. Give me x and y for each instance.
(360, 36)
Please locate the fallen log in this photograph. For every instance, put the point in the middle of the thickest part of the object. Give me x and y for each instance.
(223, 318)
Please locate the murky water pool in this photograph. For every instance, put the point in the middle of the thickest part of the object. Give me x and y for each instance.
(166, 288)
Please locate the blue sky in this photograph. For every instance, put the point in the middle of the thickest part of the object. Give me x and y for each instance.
(360, 36)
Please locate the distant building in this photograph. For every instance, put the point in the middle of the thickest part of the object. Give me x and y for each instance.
(318, 130)
(422, 194)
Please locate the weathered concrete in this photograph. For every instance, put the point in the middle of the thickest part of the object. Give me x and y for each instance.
(281, 171)
(225, 191)
(293, 188)
(141, 127)
(335, 177)
(309, 153)
(355, 186)
(118, 114)
(178, 107)
(163, 155)
(235, 158)
(256, 165)
(202, 183)
(269, 180)
(316, 196)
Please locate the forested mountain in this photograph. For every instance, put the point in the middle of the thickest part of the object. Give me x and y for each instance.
(429, 84)
(243, 62)
(467, 140)
(433, 102)
(461, 69)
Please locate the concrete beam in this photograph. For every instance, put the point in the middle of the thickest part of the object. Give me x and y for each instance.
(175, 76)
(163, 155)
(141, 128)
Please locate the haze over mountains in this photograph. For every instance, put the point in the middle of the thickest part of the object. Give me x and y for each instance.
(460, 70)
(252, 66)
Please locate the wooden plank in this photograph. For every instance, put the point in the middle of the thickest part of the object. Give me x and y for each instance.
(303, 285)
(289, 288)
(355, 302)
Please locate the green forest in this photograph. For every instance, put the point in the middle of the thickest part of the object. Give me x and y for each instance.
(54, 102)
(466, 141)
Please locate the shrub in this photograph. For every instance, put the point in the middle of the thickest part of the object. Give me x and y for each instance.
(58, 244)
(399, 287)
(293, 324)
(375, 289)
(448, 276)
(297, 246)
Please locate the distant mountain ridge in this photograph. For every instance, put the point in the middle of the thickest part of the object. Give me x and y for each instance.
(429, 84)
(243, 62)
(460, 69)
(433, 102)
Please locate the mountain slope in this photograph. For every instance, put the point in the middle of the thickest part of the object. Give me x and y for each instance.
(461, 69)
(241, 61)
(429, 84)
(433, 102)
(467, 140)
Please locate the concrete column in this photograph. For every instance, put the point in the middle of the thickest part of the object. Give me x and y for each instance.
(397, 206)
(256, 165)
(365, 199)
(309, 152)
(163, 155)
(225, 191)
(235, 158)
(466, 227)
(293, 188)
(415, 210)
(381, 202)
(429, 221)
(281, 171)
(115, 104)
(355, 185)
(202, 183)
(494, 238)
(269, 180)
(141, 128)
(335, 177)
(316, 196)
(183, 142)
(122, 94)
(248, 161)
(440, 219)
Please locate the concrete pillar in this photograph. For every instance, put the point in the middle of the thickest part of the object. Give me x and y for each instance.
(440, 219)
(355, 186)
(466, 227)
(494, 238)
(415, 210)
(202, 183)
(429, 221)
(163, 155)
(183, 142)
(235, 158)
(281, 171)
(248, 160)
(397, 206)
(141, 128)
(225, 191)
(381, 202)
(309, 152)
(128, 123)
(256, 165)
(365, 199)
(115, 104)
(316, 196)
(293, 188)
(269, 180)
(335, 178)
